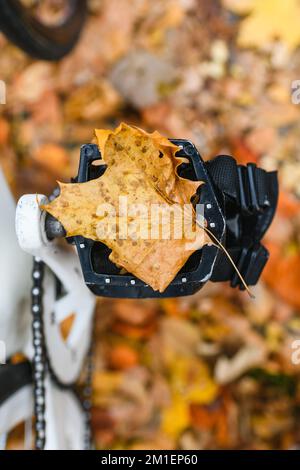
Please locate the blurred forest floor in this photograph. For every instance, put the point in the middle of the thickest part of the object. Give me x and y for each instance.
(214, 370)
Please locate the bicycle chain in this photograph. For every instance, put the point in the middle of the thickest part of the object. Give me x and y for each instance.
(41, 363)
(39, 358)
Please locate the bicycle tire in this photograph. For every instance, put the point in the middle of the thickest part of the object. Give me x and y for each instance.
(42, 41)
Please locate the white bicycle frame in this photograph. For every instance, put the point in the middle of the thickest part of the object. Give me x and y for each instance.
(64, 416)
(15, 280)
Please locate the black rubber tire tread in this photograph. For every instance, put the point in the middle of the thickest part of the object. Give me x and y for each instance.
(39, 40)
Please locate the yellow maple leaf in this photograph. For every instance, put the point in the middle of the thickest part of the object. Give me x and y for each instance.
(142, 169)
(267, 21)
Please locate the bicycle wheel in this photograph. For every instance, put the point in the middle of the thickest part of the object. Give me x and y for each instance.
(37, 38)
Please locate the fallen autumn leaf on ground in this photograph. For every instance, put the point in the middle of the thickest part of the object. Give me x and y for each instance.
(268, 21)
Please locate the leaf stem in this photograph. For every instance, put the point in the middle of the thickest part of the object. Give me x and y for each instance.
(251, 295)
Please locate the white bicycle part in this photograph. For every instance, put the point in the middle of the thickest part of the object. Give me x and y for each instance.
(16, 390)
(65, 419)
(65, 357)
(63, 413)
(15, 268)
